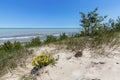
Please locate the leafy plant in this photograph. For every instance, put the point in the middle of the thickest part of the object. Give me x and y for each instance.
(77, 35)
(17, 45)
(118, 24)
(41, 60)
(7, 46)
(34, 42)
(63, 36)
(91, 21)
(50, 38)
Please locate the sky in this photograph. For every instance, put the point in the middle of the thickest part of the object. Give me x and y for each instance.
(52, 13)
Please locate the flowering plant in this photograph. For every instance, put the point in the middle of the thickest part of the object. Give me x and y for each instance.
(41, 60)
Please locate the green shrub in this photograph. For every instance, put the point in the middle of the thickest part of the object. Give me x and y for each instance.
(117, 25)
(77, 35)
(91, 21)
(63, 36)
(17, 45)
(11, 47)
(8, 46)
(34, 42)
(50, 39)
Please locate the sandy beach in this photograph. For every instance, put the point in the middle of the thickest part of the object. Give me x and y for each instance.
(68, 67)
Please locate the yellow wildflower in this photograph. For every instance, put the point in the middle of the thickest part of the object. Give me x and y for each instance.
(42, 58)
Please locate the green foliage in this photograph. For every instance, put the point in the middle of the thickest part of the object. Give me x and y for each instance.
(91, 21)
(11, 47)
(93, 24)
(118, 24)
(41, 60)
(63, 36)
(34, 42)
(10, 60)
(107, 38)
(112, 23)
(50, 39)
(77, 35)
(8, 46)
(17, 45)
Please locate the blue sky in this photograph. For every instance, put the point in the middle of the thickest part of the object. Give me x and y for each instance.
(51, 13)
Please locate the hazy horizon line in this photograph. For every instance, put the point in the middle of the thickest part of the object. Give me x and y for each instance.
(40, 28)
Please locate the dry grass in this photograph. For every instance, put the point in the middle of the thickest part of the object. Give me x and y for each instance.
(13, 60)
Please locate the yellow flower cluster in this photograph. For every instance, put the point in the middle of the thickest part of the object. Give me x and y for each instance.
(42, 58)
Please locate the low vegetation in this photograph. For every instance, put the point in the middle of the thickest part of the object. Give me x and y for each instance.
(63, 37)
(34, 42)
(50, 39)
(41, 60)
(38, 62)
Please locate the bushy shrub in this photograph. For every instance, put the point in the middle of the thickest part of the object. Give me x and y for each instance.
(50, 38)
(17, 45)
(7, 46)
(34, 42)
(77, 35)
(63, 36)
(117, 24)
(11, 47)
(91, 21)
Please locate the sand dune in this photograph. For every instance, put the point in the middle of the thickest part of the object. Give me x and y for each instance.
(68, 67)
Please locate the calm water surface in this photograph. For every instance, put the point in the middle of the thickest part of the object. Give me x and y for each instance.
(25, 35)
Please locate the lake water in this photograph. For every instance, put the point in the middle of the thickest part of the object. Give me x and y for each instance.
(25, 35)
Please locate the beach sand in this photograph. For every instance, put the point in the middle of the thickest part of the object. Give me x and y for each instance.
(68, 67)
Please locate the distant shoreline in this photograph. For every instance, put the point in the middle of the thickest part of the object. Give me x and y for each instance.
(40, 28)
(28, 37)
